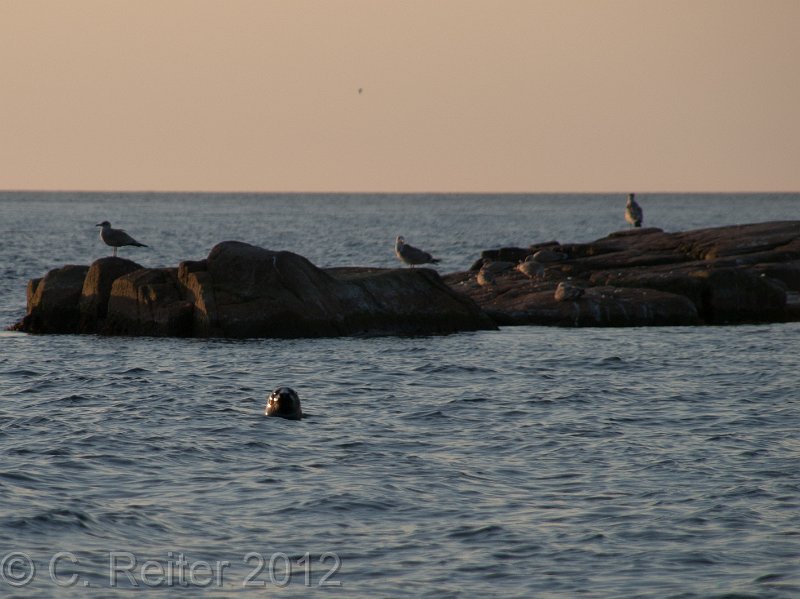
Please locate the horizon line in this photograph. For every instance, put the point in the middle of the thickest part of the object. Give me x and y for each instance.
(379, 192)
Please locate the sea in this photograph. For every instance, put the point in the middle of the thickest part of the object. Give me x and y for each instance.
(523, 462)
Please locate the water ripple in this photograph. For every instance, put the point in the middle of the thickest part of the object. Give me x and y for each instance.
(525, 462)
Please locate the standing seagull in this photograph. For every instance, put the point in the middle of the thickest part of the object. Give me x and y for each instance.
(116, 237)
(633, 212)
(411, 255)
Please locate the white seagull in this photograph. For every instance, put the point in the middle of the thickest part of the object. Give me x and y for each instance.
(411, 255)
(116, 237)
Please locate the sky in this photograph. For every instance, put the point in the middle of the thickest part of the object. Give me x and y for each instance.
(400, 95)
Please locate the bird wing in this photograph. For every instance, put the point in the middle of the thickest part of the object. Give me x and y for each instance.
(120, 237)
(125, 238)
(412, 254)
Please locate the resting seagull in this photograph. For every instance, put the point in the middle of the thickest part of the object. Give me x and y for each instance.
(633, 212)
(116, 237)
(531, 269)
(411, 255)
(567, 292)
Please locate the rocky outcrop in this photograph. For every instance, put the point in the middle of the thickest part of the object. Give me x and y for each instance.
(639, 277)
(96, 290)
(241, 291)
(245, 291)
(53, 301)
(148, 301)
(643, 277)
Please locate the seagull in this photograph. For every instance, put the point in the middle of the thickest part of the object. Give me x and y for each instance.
(633, 212)
(411, 255)
(485, 277)
(531, 269)
(546, 255)
(567, 292)
(116, 237)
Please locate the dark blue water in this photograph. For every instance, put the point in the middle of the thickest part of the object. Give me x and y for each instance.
(527, 462)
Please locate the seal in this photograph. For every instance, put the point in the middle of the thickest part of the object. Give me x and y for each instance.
(284, 402)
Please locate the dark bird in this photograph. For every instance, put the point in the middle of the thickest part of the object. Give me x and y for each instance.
(284, 402)
(633, 212)
(116, 237)
(411, 255)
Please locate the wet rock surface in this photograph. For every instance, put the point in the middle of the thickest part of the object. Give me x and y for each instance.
(242, 291)
(640, 277)
(637, 277)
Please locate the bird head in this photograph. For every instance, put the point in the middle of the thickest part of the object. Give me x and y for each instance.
(104, 224)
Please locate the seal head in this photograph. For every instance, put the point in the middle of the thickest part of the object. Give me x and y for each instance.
(284, 402)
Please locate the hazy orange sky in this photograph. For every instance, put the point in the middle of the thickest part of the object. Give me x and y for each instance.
(458, 95)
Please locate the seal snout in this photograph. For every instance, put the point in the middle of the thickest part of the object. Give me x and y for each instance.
(284, 402)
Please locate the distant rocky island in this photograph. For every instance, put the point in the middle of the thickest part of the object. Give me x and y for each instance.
(638, 277)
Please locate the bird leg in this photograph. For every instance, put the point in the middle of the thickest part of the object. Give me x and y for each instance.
(115, 252)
